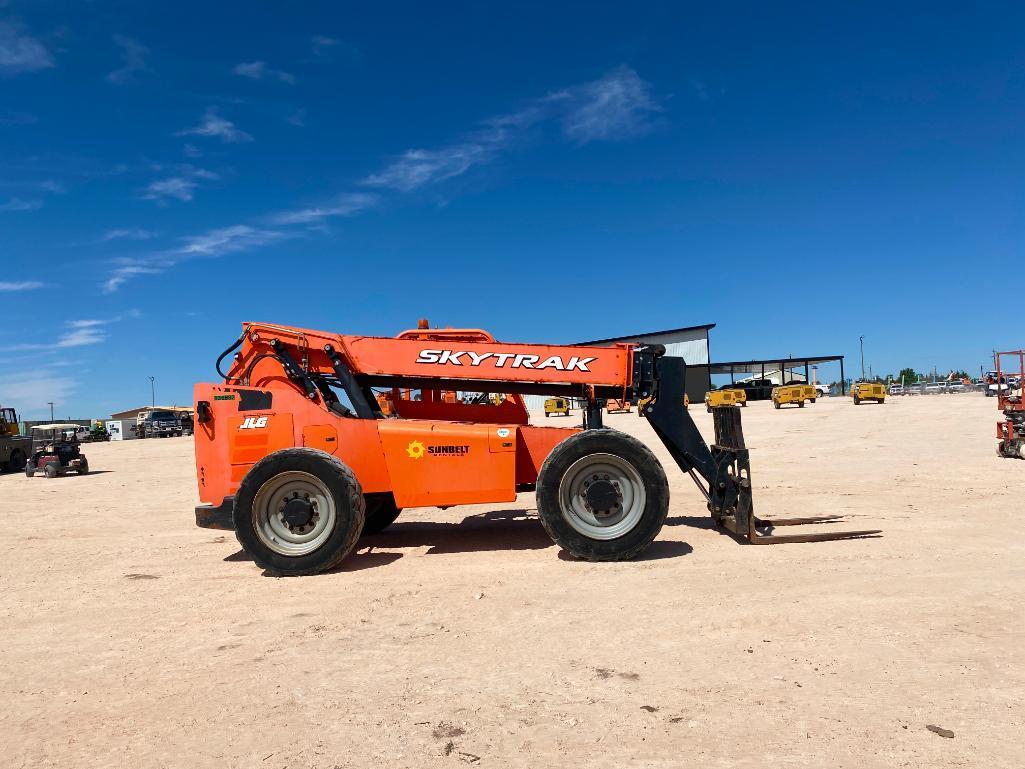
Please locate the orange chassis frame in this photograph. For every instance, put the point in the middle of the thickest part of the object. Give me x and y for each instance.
(439, 452)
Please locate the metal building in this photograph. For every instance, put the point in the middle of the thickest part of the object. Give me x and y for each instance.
(689, 343)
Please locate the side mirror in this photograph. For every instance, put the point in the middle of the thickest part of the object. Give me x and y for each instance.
(203, 412)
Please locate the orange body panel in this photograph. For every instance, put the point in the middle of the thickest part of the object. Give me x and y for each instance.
(434, 449)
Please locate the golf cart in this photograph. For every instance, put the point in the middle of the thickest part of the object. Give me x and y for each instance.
(55, 451)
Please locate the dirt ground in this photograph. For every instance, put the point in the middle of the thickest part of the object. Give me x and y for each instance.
(133, 639)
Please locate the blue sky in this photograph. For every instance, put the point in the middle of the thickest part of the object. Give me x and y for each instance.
(552, 172)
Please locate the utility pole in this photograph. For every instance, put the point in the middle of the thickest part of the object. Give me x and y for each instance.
(152, 392)
(51, 411)
(861, 340)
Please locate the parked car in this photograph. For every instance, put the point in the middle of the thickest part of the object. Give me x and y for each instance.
(896, 389)
(932, 388)
(956, 387)
(158, 424)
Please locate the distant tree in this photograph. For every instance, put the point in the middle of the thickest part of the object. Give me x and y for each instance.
(909, 375)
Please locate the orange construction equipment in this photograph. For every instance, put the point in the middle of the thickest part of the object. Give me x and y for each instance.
(294, 452)
(1010, 374)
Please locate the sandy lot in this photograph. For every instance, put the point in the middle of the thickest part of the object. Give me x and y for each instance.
(133, 639)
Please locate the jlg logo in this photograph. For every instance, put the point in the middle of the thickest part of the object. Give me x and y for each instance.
(251, 423)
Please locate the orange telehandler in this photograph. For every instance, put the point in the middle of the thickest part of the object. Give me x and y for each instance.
(294, 453)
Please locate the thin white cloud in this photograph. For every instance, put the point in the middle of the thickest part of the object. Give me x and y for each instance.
(33, 392)
(21, 53)
(128, 269)
(345, 205)
(297, 118)
(226, 240)
(322, 44)
(213, 125)
(82, 333)
(133, 54)
(258, 70)
(20, 285)
(617, 106)
(210, 244)
(127, 233)
(20, 204)
(79, 333)
(614, 107)
(181, 187)
(415, 168)
(192, 151)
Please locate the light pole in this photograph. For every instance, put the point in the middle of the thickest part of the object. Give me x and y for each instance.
(152, 392)
(861, 340)
(51, 411)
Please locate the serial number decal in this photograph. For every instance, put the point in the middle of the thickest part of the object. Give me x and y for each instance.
(224, 397)
(502, 360)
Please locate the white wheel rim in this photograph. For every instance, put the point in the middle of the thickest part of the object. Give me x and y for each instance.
(603, 525)
(268, 513)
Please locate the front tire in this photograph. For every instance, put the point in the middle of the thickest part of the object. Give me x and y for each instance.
(299, 511)
(602, 495)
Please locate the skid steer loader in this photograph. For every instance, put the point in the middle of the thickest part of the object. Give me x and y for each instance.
(294, 453)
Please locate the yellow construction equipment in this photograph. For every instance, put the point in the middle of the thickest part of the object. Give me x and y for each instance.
(868, 391)
(793, 393)
(730, 396)
(557, 406)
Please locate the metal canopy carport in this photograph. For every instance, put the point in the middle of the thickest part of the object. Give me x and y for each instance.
(735, 367)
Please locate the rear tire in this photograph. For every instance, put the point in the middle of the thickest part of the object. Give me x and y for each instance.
(17, 461)
(621, 514)
(381, 513)
(775, 405)
(83, 468)
(334, 512)
(50, 471)
(30, 469)
(857, 401)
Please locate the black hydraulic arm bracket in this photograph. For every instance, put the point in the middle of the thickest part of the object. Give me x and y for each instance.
(360, 403)
(292, 369)
(724, 466)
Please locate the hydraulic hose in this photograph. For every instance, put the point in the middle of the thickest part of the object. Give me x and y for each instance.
(226, 353)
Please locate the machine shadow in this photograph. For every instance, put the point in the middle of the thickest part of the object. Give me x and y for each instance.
(654, 552)
(490, 531)
(695, 521)
(72, 474)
